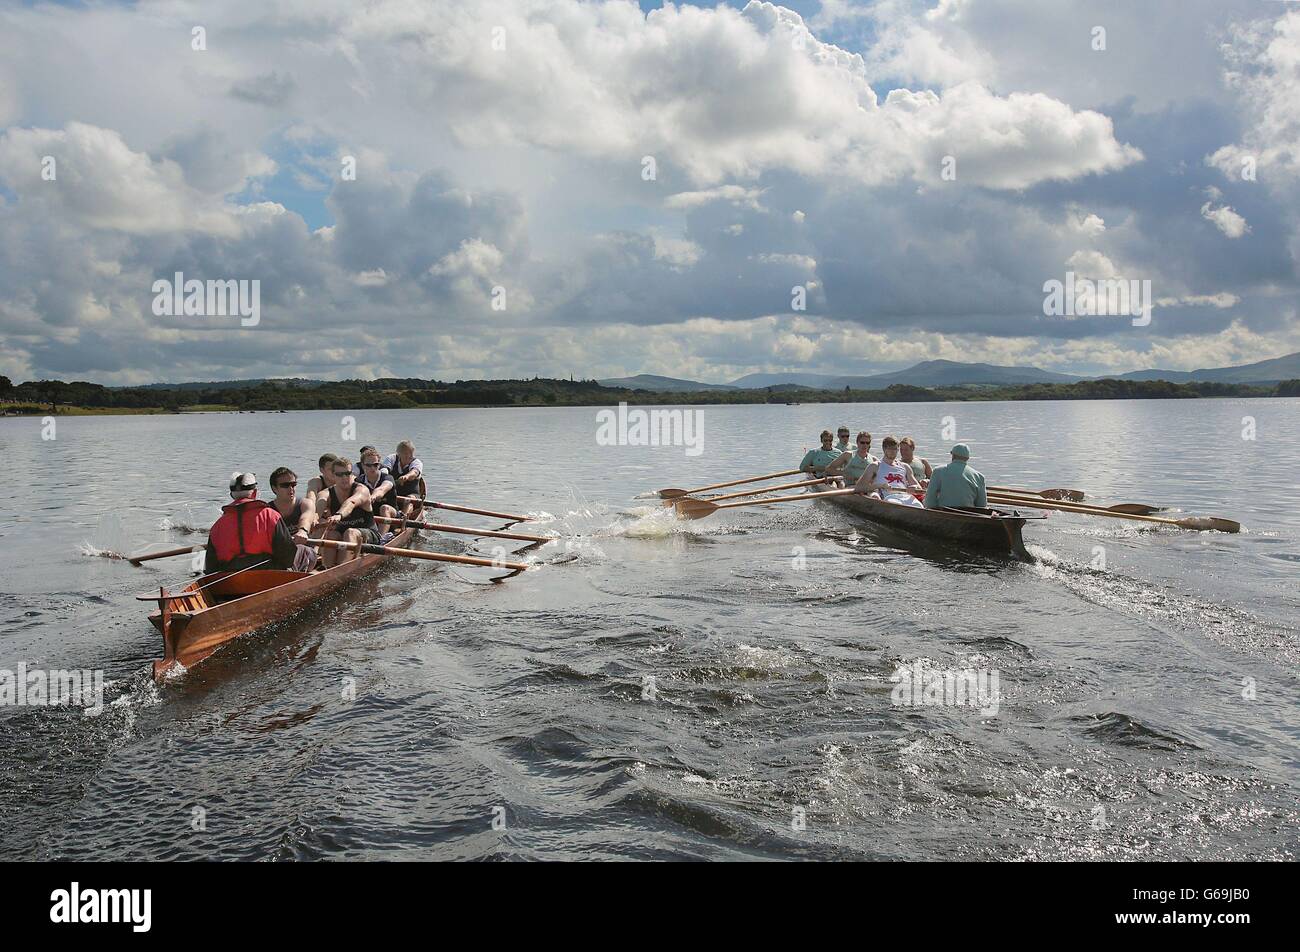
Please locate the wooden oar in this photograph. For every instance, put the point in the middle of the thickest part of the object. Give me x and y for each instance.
(440, 527)
(1071, 495)
(1198, 523)
(677, 493)
(417, 554)
(430, 504)
(699, 508)
(1133, 508)
(752, 492)
(165, 554)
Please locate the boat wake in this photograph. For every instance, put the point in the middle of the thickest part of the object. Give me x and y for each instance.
(1162, 605)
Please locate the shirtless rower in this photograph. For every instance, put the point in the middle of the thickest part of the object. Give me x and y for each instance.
(299, 515)
(889, 479)
(349, 516)
(852, 465)
(921, 468)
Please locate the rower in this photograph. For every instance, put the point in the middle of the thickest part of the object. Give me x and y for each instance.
(350, 517)
(842, 444)
(318, 486)
(888, 478)
(921, 468)
(406, 469)
(299, 515)
(957, 485)
(376, 478)
(815, 462)
(356, 468)
(852, 465)
(249, 532)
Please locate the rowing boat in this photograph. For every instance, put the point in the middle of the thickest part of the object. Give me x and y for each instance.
(222, 606)
(997, 529)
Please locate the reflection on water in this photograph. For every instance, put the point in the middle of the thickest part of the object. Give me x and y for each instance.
(661, 688)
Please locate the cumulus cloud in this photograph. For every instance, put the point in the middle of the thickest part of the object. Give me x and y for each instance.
(98, 182)
(1225, 219)
(785, 157)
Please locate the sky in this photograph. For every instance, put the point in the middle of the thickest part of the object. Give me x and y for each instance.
(460, 189)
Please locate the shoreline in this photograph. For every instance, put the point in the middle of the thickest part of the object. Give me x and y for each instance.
(860, 397)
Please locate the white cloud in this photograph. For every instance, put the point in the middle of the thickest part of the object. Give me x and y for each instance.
(1225, 219)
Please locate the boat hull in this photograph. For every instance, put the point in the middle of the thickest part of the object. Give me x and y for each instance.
(195, 622)
(999, 530)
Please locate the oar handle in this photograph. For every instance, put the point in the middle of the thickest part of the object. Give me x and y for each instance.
(462, 530)
(477, 512)
(373, 549)
(165, 554)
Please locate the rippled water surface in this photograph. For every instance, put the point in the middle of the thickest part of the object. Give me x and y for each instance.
(664, 689)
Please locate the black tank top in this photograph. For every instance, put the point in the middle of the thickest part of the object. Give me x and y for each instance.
(293, 518)
(360, 518)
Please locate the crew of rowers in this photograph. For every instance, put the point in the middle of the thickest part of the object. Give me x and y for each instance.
(900, 476)
(341, 504)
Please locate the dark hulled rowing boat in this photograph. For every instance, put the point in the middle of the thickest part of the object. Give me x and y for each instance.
(995, 529)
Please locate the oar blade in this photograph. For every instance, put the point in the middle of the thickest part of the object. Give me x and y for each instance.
(1071, 495)
(1209, 524)
(694, 508)
(673, 493)
(1135, 509)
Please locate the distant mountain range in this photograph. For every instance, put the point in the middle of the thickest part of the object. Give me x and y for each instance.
(928, 373)
(951, 373)
(654, 382)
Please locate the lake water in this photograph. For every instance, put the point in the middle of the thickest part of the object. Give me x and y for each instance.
(665, 689)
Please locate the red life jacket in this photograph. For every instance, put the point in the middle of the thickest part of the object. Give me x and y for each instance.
(246, 527)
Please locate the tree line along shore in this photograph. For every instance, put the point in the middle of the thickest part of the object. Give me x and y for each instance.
(39, 397)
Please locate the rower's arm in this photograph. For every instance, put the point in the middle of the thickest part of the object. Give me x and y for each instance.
(360, 497)
(864, 481)
(306, 517)
(929, 470)
(910, 479)
(835, 467)
(806, 464)
(981, 494)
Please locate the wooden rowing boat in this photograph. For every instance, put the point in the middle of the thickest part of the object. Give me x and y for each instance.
(222, 606)
(998, 529)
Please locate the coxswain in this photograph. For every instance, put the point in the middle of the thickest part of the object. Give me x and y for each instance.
(249, 532)
(957, 485)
